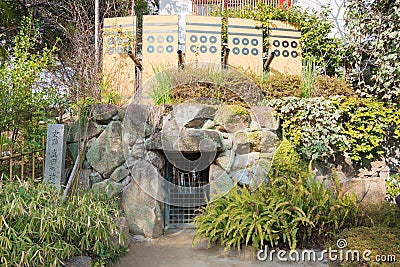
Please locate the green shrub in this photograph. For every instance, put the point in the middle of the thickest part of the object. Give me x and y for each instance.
(279, 85)
(364, 122)
(287, 212)
(312, 125)
(38, 229)
(374, 38)
(393, 186)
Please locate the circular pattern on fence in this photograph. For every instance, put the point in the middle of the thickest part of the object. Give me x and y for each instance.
(293, 44)
(150, 39)
(213, 39)
(285, 53)
(119, 50)
(150, 49)
(245, 41)
(169, 49)
(236, 41)
(245, 51)
(110, 41)
(276, 43)
(277, 53)
(236, 51)
(213, 49)
(254, 42)
(193, 48)
(160, 49)
(254, 51)
(285, 44)
(203, 49)
(160, 39)
(203, 39)
(170, 39)
(193, 38)
(110, 51)
(294, 54)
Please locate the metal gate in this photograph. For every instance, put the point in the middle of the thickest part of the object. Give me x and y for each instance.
(186, 192)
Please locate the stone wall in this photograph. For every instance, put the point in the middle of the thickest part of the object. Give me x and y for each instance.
(128, 149)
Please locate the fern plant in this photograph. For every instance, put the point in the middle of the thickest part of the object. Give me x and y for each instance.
(289, 211)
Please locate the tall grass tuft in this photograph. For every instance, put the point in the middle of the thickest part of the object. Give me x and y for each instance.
(38, 229)
(309, 74)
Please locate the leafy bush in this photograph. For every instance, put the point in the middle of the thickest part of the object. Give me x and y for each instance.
(393, 186)
(278, 86)
(38, 229)
(364, 123)
(374, 40)
(288, 211)
(315, 29)
(24, 97)
(312, 125)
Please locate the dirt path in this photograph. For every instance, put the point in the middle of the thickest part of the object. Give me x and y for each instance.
(175, 250)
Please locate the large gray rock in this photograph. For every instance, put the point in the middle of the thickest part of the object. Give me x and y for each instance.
(193, 115)
(220, 182)
(142, 200)
(77, 131)
(244, 161)
(103, 113)
(231, 118)
(225, 160)
(367, 190)
(245, 142)
(155, 158)
(264, 116)
(119, 173)
(105, 154)
(108, 187)
(136, 120)
(193, 140)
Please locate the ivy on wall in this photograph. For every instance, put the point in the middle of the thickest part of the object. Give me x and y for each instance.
(373, 46)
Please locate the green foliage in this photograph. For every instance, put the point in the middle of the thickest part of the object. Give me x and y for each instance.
(38, 229)
(311, 124)
(364, 123)
(24, 100)
(288, 163)
(393, 186)
(289, 211)
(309, 73)
(314, 28)
(278, 86)
(374, 37)
(161, 93)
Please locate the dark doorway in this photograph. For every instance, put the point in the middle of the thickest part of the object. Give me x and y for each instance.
(187, 190)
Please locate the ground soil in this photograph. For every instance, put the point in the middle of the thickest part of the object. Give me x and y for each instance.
(175, 250)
